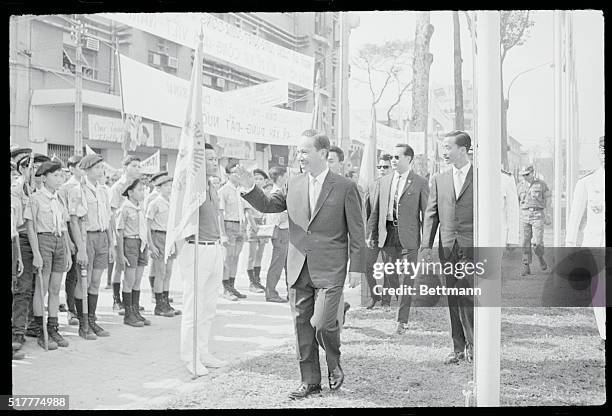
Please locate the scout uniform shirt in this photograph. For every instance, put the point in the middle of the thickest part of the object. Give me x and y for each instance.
(157, 211)
(533, 195)
(47, 212)
(149, 198)
(16, 215)
(98, 208)
(72, 197)
(116, 192)
(132, 221)
(231, 203)
(22, 203)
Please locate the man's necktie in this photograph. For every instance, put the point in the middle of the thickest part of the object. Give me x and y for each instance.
(396, 198)
(313, 196)
(458, 184)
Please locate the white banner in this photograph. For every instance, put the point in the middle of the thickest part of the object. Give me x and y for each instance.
(110, 129)
(268, 93)
(223, 41)
(152, 164)
(387, 137)
(236, 148)
(222, 115)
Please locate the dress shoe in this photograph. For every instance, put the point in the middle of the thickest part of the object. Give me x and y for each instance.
(469, 353)
(305, 390)
(211, 361)
(454, 357)
(543, 264)
(401, 328)
(371, 303)
(276, 299)
(200, 369)
(336, 377)
(229, 295)
(526, 270)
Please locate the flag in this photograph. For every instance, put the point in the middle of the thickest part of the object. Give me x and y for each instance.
(367, 171)
(189, 184)
(89, 150)
(152, 164)
(108, 169)
(316, 117)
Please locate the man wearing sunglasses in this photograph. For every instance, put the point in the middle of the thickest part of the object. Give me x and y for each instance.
(396, 221)
(383, 168)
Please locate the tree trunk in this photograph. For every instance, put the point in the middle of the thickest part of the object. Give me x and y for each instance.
(420, 76)
(459, 122)
(504, 122)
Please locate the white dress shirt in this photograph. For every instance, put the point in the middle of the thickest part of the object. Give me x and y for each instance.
(314, 188)
(459, 176)
(398, 182)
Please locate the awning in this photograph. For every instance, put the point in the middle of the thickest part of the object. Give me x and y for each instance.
(66, 97)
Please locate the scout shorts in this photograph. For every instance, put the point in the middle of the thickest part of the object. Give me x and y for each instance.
(158, 266)
(97, 249)
(51, 249)
(131, 250)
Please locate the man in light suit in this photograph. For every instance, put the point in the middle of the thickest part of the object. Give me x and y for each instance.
(325, 218)
(451, 208)
(396, 219)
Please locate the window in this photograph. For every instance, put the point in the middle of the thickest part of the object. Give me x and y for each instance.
(154, 58)
(88, 61)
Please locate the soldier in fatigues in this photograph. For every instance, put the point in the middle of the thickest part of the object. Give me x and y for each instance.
(534, 200)
(590, 197)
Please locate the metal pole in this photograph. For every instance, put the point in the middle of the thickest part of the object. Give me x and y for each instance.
(487, 158)
(195, 295)
(120, 81)
(558, 167)
(78, 88)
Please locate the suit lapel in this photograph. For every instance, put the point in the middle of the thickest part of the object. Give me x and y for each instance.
(449, 182)
(326, 188)
(408, 183)
(466, 182)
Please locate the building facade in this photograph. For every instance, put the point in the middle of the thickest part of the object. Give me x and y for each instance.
(43, 61)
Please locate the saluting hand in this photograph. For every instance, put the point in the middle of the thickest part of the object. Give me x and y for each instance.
(244, 177)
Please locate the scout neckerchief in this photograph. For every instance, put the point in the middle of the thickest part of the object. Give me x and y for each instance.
(101, 201)
(56, 210)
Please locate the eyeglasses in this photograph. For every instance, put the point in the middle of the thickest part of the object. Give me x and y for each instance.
(383, 167)
(396, 157)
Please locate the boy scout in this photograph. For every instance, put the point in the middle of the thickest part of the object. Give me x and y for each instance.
(534, 200)
(16, 261)
(94, 244)
(132, 251)
(71, 195)
(148, 198)
(23, 294)
(47, 218)
(131, 172)
(157, 222)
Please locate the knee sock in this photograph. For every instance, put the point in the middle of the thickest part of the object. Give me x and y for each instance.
(116, 293)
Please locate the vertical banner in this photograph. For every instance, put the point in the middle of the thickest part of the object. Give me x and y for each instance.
(152, 164)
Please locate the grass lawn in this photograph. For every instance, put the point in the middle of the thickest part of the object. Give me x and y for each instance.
(550, 356)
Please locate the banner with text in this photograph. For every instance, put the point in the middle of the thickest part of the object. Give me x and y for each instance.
(386, 137)
(110, 129)
(236, 148)
(222, 115)
(268, 93)
(225, 42)
(152, 164)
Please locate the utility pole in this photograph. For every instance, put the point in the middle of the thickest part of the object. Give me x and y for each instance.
(77, 32)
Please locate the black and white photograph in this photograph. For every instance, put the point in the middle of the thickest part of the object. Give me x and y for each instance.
(307, 209)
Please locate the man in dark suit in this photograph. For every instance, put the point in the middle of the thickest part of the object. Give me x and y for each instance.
(451, 207)
(325, 230)
(396, 220)
(384, 169)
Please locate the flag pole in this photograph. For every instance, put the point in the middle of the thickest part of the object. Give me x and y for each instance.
(123, 144)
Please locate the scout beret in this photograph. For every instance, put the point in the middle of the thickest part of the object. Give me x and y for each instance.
(158, 175)
(526, 170)
(131, 186)
(38, 158)
(20, 151)
(163, 180)
(48, 167)
(129, 159)
(89, 161)
(74, 160)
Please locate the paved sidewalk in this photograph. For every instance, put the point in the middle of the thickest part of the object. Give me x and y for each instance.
(139, 367)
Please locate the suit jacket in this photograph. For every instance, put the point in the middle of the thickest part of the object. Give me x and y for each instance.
(322, 242)
(454, 216)
(411, 209)
(370, 198)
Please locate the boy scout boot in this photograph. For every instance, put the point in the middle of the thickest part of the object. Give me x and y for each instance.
(160, 306)
(92, 303)
(51, 345)
(256, 271)
(227, 291)
(136, 307)
(130, 317)
(234, 290)
(85, 330)
(167, 303)
(52, 331)
(253, 284)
